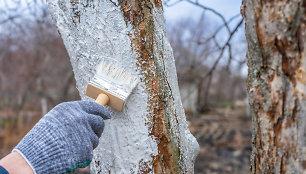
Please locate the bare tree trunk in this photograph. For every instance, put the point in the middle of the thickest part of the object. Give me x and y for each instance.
(151, 134)
(276, 34)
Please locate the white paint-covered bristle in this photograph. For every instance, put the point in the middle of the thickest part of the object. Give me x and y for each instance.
(114, 80)
(117, 74)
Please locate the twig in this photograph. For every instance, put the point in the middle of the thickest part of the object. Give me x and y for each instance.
(211, 10)
(10, 18)
(173, 4)
(224, 47)
(218, 30)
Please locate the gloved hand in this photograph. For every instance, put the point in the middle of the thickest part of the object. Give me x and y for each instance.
(63, 140)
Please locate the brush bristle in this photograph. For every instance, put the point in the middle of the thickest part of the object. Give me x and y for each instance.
(115, 80)
(116, 73)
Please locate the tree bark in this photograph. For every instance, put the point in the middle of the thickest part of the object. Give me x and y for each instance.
(276, 35)
(151, 134)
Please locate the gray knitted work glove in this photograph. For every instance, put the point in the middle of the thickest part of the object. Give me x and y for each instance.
(63, 140)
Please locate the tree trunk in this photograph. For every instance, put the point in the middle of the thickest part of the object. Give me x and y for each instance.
(276, 34)
(151, 134)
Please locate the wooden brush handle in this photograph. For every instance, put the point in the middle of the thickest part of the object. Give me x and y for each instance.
(102, 99)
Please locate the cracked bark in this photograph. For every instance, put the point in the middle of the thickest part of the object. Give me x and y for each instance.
(276, 35)
(151, 134)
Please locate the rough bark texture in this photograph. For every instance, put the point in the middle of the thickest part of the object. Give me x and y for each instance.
(276, 34)
(151, 134)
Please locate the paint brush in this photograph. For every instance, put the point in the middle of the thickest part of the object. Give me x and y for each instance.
(111, 86)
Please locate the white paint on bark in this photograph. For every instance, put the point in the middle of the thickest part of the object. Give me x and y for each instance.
(95, 31)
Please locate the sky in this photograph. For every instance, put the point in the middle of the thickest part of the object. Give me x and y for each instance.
(183, 9)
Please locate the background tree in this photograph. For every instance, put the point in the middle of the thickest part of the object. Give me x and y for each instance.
(211, 52)
(276, 34)
(30, 42)
(30, 72)
(201, 92)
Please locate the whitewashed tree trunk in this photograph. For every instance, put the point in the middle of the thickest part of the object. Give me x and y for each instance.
(276, 34)
(151, 134)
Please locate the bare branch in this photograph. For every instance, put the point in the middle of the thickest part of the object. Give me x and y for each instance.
(16, 3)
(10, 18)
(211, 10)
(173, 4)
(218, 30)
(230, 57)
(227, 43)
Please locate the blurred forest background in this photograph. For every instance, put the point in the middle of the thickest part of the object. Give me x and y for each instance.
(209, 49)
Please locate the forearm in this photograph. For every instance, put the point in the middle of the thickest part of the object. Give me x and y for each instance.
(14, 163)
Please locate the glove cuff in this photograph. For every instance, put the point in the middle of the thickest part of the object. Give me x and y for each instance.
(29, 163)
(40, 151)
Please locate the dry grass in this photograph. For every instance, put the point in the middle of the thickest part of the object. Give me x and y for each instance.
(13, 128)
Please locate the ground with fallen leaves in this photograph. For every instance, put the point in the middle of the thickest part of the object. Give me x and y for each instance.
(224, 136)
